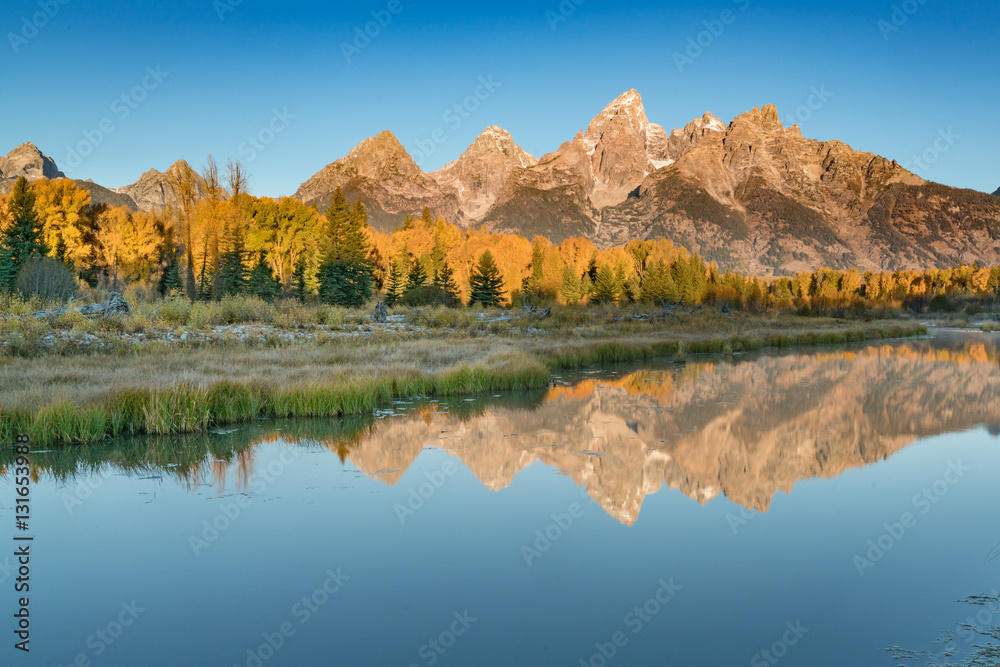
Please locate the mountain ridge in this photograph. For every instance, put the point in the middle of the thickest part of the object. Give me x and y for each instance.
(752, 195)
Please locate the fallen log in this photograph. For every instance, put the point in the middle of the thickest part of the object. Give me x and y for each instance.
(115, 304)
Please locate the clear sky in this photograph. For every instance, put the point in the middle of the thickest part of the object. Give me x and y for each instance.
(927, 75)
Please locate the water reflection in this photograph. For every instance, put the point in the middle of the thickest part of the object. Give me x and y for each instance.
(742, 428)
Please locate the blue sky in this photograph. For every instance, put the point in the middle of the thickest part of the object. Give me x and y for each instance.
(228, 70)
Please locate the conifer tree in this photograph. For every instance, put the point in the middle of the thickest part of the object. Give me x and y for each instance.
(232, 275)
(426, 217)
(485, 282)
(170, 281)
(607, 289)
(417, 277)
(572, 288)
(444, 280)
(262, 282)
(658, 284)
(395, 283)
(23, 238)
(533, 281)
(300, 276)
(346, 274)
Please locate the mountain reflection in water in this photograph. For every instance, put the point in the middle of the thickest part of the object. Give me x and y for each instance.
(741, 427)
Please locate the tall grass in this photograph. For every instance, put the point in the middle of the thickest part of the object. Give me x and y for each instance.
(187, 408)
(317, 387)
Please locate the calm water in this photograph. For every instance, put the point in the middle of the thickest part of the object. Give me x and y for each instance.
(819, 506)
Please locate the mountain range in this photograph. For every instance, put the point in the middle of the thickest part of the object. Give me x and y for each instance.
(754, 195)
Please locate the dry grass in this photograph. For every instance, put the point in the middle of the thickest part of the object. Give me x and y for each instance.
(164, 389)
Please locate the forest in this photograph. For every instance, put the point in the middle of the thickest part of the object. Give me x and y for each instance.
(220, 241)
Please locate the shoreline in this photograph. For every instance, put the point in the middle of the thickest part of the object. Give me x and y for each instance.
(161, 390)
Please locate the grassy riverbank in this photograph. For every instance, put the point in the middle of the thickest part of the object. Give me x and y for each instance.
(156, 388)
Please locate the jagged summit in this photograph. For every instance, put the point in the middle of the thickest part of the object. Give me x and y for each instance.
(155, 190)
(484, 171)
(26, 160)
(997, 193)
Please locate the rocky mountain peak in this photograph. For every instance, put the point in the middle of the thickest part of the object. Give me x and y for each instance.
(496, 141)
(997, 193)
(484, 170)
(681, 141)
(763, 118)
(26, 160)
(155, 191)
(618, 142)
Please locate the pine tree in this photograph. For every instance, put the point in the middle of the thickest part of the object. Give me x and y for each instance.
(346, 274)
(533, 281)
(485, 282)
(658, 285)
(262, 282)
(395, 283)
(170, 281)
(444, 280)
(417, 277)
(300, 275)
(607, 289)
(572, 288)
(23, 238)
(232, 275)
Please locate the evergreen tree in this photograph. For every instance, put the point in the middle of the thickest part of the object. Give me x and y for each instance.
(170, 281)
(417, 276)
(572, 288)
(61, 250)
(395, 283)
(262, 282)
(426, 217)
(607, 289)
(658, 284)
(23, 238)
(532, 283)
(300, 276)
(232, 275)
(346, 274)
(485, 282)
(444, 280)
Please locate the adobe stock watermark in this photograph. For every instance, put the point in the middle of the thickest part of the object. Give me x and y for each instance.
(436, 647)
(773, 654)
(803, 114)
(103, 638)
(230, 512)
(562, 13)
(84, 489)
(919, 164)
(7, 568)
(31, 26)
(900, 16)
(301, 612)
(698, 44)
(256, 143)
(545, 538)
(924, 502)
(455, 116)
(736, 522)
(223, 7)
(424, 491)
(122, 107)
(635, 621)
(363, 36)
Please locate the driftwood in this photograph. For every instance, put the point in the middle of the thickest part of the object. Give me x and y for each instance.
(114, 305)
